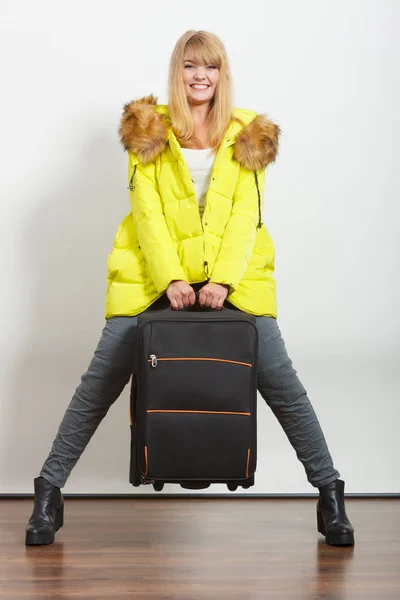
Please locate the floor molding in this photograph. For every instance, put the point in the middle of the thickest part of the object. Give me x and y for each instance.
(161, 496)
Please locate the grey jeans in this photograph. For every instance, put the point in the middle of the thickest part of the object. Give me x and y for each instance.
(110, 371)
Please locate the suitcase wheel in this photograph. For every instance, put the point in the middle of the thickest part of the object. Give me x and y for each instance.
(232, 486)
(248, 483)
(158, 486)
(134, 478)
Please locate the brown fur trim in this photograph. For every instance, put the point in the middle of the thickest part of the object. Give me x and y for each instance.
(143, 131)
(256, 145)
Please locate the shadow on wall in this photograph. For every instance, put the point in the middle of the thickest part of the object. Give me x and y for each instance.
(65, 242)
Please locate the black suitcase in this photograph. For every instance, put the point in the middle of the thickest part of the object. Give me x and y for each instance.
(193, 402)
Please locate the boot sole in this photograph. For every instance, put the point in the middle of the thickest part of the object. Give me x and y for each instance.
(40, 539)
(340, 539)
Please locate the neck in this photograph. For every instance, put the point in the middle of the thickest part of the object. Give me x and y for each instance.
(199, 113)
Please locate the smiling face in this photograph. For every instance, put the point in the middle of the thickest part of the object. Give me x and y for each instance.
(200, 80)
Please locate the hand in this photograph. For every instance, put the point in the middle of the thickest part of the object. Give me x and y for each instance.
(213, 294)
(180, 294)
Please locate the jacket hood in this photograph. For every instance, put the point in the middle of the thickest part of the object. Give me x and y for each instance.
(145, 127)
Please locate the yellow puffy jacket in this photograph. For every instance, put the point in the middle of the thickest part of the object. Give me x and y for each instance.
(164, 238)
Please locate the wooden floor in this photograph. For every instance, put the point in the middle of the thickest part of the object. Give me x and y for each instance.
(222, 549)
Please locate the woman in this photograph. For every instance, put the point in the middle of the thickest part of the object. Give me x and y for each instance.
(196, 175)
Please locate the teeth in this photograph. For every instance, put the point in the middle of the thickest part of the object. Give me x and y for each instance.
(199, 87)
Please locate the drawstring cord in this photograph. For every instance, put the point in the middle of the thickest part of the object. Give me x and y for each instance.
(130, 186)
(259, 202)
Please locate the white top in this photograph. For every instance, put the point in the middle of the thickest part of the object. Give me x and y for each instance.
(200, 162)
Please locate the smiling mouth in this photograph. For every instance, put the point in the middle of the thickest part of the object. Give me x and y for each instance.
(200, 86)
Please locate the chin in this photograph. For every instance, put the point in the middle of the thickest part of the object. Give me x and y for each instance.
(208, 96)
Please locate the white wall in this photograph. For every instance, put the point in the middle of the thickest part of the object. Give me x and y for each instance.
(328, 74)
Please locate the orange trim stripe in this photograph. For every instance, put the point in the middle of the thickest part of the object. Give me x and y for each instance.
(235, 362)
(146, 459)
(248, 460)
(209, 412)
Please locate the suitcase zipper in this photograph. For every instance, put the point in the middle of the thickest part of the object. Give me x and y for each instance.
(143, 382)
(153, 359)
(247, 464)
(199, 412)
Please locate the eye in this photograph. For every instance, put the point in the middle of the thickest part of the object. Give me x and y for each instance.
(212, 66)
(188, 66)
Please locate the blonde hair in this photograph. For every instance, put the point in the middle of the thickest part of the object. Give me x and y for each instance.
(207, 48)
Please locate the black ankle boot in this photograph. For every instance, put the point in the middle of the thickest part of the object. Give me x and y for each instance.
(48, 513)
(332, 520)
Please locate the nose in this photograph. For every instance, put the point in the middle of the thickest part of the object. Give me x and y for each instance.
(199, 75)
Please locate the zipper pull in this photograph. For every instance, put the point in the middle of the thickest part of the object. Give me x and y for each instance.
(153, 360)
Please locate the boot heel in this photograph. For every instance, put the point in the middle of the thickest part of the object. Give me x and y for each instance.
(59, 520)
(320, 523)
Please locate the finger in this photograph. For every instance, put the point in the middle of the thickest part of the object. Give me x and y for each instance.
(214, 301)
(192, 297)
(220, 303)
(174, 303)
(210, 298)
(187, 297)
(205, 298)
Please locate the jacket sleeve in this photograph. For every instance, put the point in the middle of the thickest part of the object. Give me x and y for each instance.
(241, 229)
(154, 238)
